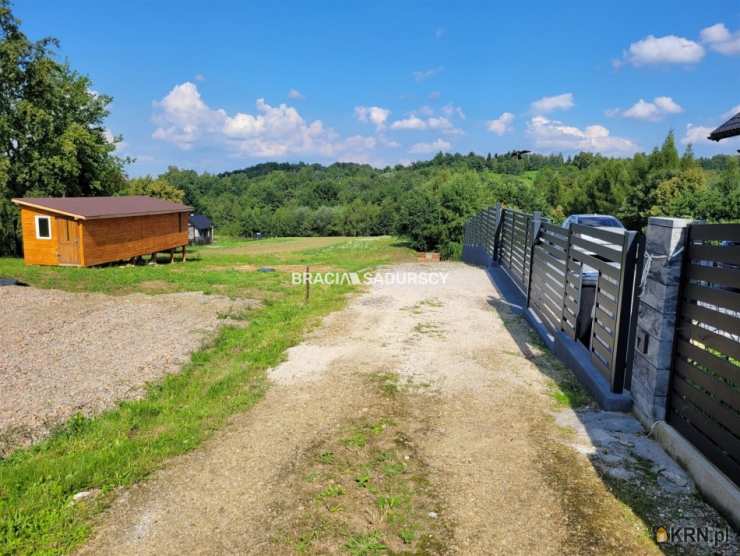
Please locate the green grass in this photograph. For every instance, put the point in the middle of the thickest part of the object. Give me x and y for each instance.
(370, 491)
(124, 445)
(569, 393)
(362, 545)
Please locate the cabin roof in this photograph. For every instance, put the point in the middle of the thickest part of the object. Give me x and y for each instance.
(92, 208)
(200, 221)
(728, 129)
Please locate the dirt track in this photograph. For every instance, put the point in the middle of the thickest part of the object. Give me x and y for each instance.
(498, 475)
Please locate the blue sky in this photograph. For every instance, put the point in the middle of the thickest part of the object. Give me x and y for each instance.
(221, 85)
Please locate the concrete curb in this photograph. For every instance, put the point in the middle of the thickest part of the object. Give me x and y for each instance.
(575, 356)
(722, 493)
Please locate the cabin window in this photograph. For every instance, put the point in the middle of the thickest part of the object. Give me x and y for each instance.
(43, 227)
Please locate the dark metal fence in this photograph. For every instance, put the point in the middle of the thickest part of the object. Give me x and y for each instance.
(549, 277)
(516, 246)
(551, 264)
(704, 400)
(480, 231)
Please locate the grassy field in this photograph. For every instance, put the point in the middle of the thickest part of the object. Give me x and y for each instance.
(126, 444)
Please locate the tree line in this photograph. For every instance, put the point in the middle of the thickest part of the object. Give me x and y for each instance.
(53, 142)
(429, 202)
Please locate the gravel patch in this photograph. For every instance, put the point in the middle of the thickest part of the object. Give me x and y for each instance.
(64, 353)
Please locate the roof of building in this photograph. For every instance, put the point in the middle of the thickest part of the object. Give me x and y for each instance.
(200, 221)
(92, 208)
(730, 128)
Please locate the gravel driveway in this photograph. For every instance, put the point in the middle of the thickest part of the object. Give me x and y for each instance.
(510, 473)
(64, 353)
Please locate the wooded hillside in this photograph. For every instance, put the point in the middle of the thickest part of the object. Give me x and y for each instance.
(428, 202)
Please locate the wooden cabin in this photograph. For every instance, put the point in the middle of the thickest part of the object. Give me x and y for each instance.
(88, 231)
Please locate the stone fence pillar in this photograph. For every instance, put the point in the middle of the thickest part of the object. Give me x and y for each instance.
(665, 240)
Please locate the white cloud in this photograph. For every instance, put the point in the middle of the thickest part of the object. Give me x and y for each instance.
(663, 50)
(699, 135)
(372, 114)
(440, 145)
(642, 110)
(443, 124)
(732, 111)
(423, 75)
(557, 102)
(434, 95)
(440, 123)
(385, 142)
(200, 77)
(696, 134)
(295, 94)
(412, 122)
(277, 131)
(552, 134)
(502, 124)
(650, 111)
(668, 105)
(111, 138)
(719, 39)
(184, 119)
(362, 149)
(183, 116)
(451, 110)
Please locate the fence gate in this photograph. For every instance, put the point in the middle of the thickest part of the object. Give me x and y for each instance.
(613, 260)
(704, 398)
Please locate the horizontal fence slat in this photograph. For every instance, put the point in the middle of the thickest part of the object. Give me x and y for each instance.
(605, 251)
(716, 253)
(713, 275)
(600, 265)
(571, 305)
(568, 329)
(728, 346)
(605, 303)
(706, 403)
(716, 387)
(718, 365)
(561, 242)
(553, 251)
(711, 317)
(602, 367)
(724, 439)
(709, 448)
(572, 291)
(602, 351)
(606, 319)
(599, 233)
(547, 277)
(705, 232)
(603, 332)
(715, 296)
